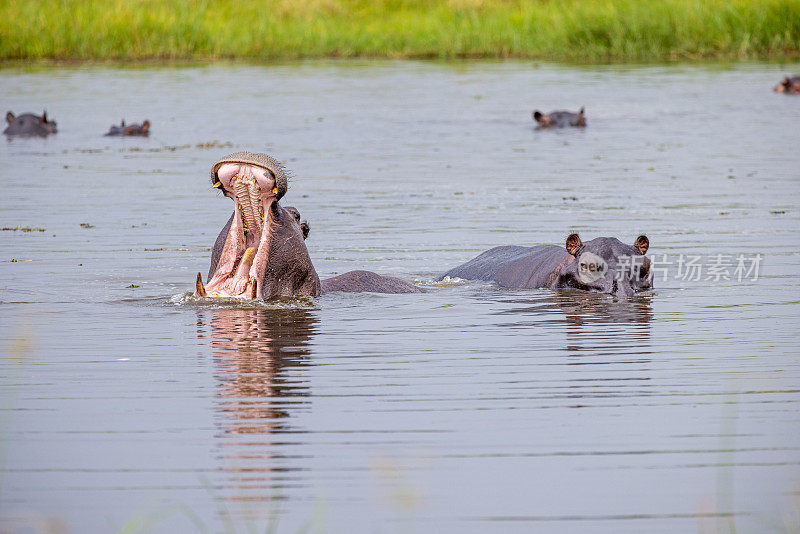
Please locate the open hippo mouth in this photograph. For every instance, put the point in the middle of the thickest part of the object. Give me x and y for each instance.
(254, 182)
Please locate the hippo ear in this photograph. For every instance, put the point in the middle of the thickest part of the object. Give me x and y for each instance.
(305, 228)
(44, 117)
(573, 244)
(642, 244)
(537, 116)
(9, 117)
(145, 126)
(581, 112)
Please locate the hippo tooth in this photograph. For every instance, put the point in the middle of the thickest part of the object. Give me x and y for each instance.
(201, 290)
(244, 219)
(246, 262)
(247, 258)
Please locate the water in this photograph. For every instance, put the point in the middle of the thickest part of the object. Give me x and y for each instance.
(127, 404)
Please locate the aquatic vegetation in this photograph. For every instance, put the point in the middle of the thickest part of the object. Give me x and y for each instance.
(20, 228)
(578, 30)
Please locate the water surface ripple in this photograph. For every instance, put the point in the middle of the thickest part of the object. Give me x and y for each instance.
(126, 403)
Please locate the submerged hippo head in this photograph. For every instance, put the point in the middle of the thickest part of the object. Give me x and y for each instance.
(607, 265)
(789, 85)
(261, 252)
(142, 129)
(559, 119)
(29, 124)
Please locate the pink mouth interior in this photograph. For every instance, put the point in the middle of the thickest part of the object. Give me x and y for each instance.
(243, 261)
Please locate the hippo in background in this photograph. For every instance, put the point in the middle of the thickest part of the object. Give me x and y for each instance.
(261, 251)
(29, 124)
(602, 265)
(789, 86)
(130, 129)
(559, 119)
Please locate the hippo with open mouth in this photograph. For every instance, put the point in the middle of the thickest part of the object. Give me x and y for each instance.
(559, 119)
(789, 86)
(602, 265)
(142, 129)
(261, 251)
(29, 124)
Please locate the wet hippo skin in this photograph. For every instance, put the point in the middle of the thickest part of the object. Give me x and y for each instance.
(123, 129)
(559, 119)
(602, 265)
(29, 124)
(366, 281)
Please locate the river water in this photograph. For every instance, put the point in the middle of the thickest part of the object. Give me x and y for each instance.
(126, 405)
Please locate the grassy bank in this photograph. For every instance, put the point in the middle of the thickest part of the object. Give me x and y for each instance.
(571, 30)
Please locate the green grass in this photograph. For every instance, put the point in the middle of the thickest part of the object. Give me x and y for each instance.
(565, 30)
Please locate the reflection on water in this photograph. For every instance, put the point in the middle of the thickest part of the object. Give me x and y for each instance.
(599, 324)
(594, 323)
(581, 308)
(255, 350)
(253, 347)
(555, 411)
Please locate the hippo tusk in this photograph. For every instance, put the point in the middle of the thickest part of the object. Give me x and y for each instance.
(247, 258)
(201, 290)
(218, 184)
(241, 280)
(254, 290)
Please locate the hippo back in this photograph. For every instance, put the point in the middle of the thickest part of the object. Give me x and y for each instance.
(515, 267)
(367, 282)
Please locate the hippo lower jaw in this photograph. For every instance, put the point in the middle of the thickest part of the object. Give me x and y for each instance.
(241, 268)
